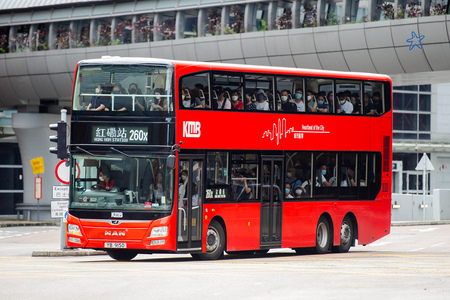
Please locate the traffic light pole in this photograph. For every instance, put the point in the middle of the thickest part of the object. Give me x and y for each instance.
(61, 137)
(61, 152)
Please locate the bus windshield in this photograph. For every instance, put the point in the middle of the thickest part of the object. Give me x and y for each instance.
(130, 89)
(121, 183)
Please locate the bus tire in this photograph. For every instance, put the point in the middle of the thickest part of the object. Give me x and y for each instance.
(323, 236)
(195, 256)
(346, 239)
(215, 242)
(121, 255)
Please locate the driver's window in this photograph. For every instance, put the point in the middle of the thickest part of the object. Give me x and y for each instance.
(90, 172)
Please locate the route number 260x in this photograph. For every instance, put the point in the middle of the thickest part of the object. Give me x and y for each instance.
(138, 135)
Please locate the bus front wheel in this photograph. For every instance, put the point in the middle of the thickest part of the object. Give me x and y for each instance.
(215, 242)
(323, 236)
(121, 255)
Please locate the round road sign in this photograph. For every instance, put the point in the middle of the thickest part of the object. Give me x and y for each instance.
(63, 173)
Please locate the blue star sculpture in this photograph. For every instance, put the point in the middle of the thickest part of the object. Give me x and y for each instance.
(415, 41)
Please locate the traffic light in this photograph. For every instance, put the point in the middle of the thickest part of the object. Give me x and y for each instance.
(60, 139)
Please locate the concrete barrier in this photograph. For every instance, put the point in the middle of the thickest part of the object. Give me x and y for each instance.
(409, 207)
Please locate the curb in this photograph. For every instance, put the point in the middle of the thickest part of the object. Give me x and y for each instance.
(26, 223)
(417, 223)
(67, 252)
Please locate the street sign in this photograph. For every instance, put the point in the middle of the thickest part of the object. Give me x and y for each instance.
(59, 208)
(38, 165)
(38, 187)
(60, 192)
(424, 164)
(62, 172)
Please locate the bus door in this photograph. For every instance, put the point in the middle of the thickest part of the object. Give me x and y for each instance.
(271, 203)
(190, 200)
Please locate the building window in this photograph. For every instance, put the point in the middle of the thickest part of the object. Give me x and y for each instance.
(412, 112)
(412, 180)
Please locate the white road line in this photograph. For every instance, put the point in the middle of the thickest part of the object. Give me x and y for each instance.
(378, 244)
(418, 249)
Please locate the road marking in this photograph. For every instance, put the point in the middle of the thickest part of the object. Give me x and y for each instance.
(378, 244)
(12, 234)
(418, 249)
(425, 230)
(440, 244)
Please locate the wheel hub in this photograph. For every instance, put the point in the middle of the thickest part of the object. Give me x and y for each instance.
(212, 240)
(322, 235)
(345, 234)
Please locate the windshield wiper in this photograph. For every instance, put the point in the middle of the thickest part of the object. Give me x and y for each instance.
(91, 154)
(130, 156)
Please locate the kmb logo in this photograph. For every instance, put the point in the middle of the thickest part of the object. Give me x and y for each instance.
(191, 129)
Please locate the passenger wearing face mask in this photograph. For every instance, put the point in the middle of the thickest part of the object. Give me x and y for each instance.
(221, 102)
(311, 101)
(121, 103)
(248, 104)
(299, 100)
(105, 181)
(98, 103)
(322, 106)
(377, 103)
(320, 177)
(139, 102)
(160, 102)
(292, 179)
(236, 104)
(368, 108)
(261, 103)
(354, 99)
(287, 191)
(346, 106)
(185, 98)
(287, 106)
(333, 103)
(298, 192)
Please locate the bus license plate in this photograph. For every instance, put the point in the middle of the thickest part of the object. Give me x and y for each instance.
(115, 245)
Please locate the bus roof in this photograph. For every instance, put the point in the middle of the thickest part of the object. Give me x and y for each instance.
(237, 67)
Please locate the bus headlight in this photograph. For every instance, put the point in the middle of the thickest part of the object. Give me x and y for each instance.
(73, 229)
(159, 231)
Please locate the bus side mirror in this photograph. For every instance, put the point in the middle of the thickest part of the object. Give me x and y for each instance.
(171, 159)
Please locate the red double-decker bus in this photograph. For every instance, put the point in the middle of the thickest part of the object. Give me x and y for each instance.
(202, 158)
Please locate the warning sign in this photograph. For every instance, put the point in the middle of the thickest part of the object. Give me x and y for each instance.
(38, 165)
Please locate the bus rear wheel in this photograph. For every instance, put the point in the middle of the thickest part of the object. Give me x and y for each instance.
(346, 236)
(215, 242)
(323, 236)
(121, 255)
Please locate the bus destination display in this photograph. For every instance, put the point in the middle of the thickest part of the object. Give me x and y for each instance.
(119, 134)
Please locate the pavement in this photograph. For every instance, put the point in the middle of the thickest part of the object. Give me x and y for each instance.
(10, 221)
